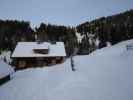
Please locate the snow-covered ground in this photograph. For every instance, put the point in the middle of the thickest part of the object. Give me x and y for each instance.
(105, 74)
(5, 69)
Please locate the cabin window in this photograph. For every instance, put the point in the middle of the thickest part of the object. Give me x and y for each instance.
(22, 64)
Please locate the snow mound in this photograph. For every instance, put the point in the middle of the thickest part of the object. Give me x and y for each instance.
(105, 74)
(5, 69)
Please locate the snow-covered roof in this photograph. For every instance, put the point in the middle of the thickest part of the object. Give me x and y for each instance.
(5, 69)
(44, 45)
(25, 49)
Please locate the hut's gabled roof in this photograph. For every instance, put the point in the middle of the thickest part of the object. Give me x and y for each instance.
(26, 49)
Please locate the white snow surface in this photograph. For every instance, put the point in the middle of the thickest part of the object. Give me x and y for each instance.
(41, 45)
(25, 49)
(105, 74)
(5, 69)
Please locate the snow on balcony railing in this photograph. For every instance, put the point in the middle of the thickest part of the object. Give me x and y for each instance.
(129, 47)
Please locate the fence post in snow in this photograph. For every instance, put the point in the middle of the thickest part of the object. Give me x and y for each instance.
(72, 60)
(72, 64)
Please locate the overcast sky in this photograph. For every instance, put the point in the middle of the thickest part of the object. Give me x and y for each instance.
(64, 12)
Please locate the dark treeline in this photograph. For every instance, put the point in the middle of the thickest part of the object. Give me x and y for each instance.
(12, 32)
(111, 29)
(54, 33)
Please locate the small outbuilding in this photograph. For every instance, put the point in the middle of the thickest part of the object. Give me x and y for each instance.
(37, 54)
(5, 72)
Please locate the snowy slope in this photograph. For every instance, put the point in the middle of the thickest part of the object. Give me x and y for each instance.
(105, 74)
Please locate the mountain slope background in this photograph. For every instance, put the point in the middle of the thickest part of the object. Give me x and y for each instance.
(111, 29)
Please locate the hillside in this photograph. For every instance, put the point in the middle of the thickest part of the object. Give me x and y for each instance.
(113, 29)
(105, 74)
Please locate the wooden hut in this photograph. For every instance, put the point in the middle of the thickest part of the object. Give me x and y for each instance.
(34, 54)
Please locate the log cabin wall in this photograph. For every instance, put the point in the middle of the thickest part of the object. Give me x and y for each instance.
(22, 63)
